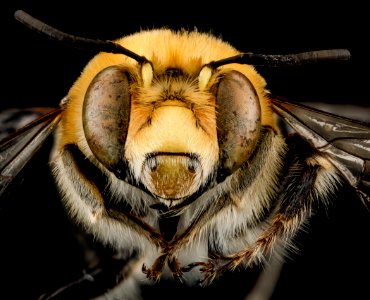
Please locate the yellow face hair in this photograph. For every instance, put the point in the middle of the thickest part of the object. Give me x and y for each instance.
(187, 51)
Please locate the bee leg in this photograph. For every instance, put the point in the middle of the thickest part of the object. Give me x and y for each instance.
(282, 228)
(168, 257)
(89, 184)
(211, 269)
(141, 226)
(174, 266)
(156, 270)
(266, 282)
(293, 210)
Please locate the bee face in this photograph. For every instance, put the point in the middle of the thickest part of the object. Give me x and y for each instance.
(165, 125)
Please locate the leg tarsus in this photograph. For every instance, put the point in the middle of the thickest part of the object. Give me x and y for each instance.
(174, 266)
(154, 273)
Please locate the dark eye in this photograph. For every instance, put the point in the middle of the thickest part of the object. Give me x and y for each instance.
(238, 120)
(106, 114)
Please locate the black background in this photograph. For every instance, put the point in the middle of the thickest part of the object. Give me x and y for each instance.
(37, 250)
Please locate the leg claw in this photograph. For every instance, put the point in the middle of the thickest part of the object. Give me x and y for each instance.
(213, 268)
(151, 273)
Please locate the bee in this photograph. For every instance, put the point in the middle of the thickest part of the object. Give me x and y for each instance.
(167, 149)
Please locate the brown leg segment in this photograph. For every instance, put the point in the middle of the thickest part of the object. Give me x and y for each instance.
(295, 202)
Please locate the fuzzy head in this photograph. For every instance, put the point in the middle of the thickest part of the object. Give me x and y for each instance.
(171, 124)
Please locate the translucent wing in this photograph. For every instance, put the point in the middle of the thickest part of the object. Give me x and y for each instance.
(345, 142)
(19, 147)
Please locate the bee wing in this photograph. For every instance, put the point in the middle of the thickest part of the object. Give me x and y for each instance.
(18, 148)
(345, 142)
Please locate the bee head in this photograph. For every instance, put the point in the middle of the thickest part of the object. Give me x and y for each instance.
(170, 124)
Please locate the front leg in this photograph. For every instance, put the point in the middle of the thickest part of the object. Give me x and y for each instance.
(167, 258)
(282, 228)
(307, 183)
(155, 271)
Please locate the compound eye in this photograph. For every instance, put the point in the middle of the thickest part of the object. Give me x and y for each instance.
(238, 120)
(106, 114)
